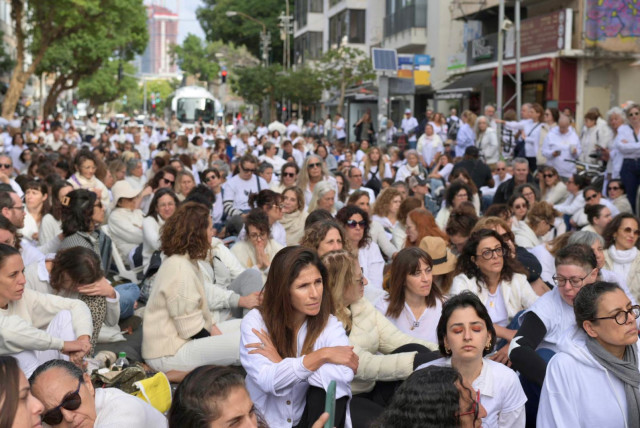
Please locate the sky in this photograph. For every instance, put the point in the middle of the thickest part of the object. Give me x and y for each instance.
(188, 21)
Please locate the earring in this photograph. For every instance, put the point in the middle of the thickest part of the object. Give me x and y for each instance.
(488, 347)
(447, 350)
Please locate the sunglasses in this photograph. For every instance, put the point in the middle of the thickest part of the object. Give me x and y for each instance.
(70, 402)
(168, 181)
(314, 165)
(634, 113)
(613, 188)
(629, 230)
(209, 178)
(6, 165)
(251, 170)
(500, 169)
(548, 175)
(353, 224)
(517, 207)
(289, 174)
(588, 198)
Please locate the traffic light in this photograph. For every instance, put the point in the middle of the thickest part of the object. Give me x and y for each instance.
(158, 97)
(153, 101)
(223, 74)
(124, 100)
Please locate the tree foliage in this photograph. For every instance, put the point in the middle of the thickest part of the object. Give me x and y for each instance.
(344, 67)
(102, 86)
(237, 29)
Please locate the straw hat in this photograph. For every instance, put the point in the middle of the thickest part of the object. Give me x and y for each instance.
(443, 259)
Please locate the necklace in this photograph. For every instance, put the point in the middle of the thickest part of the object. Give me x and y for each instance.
(414, 324)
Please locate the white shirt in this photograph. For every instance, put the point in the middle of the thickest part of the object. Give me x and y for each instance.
(421, 328)
(409, 125)
(496, 308)
(339, 127)
(116, 409)
(500, 393)
(278, 389)
(237, 190)
(556, 315)
(372, 264)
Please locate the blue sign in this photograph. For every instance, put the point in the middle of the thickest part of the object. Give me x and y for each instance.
(422, 60)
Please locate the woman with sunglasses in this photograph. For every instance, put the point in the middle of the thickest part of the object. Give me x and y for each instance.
(519, 207)
(258, 247)
(288, 177)
(618, 197)
(292, 347)
(213, 180)
(599, 358)
(552, 188)
(164, 178)
(356, 224)
(18, 407)
(386, 354)
(486, 269)
(313, 171)
(163, 205)
(466, 335)
(539, 222)
(70, 399)
(621, 254)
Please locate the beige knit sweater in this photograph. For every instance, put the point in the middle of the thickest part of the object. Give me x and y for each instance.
(177, 308)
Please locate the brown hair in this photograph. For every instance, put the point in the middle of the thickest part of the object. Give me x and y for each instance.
(185, 232)
(341, 267)
(407, 262)
(409, 204)
(315, 233)
(10, 392)
(277, 310)
(541, 211)
(73, 267)
(299, 194)
(383, 201)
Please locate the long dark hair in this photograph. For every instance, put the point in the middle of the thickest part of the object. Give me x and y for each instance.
(75, 266)
(277, 310)
(153, 208)
(407, 262)
(10, 390)
(41, 187)
(198, 399)
(345, 214)
(77, 214)
(613, 227)
(430, 397)
(467, 266)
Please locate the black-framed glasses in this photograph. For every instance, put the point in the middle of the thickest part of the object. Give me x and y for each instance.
(70, 401)
(487, 254)
(251, 170)
(576, 281)
(548, 175)
(20, 208)
(6, 165)
(475, 408)
(622, 316)
(613, 188)
(289, 174)
(588, 198)
(169, 182)
(209, 178)
(353, 224)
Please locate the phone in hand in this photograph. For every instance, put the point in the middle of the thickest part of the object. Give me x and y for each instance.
(330, 404)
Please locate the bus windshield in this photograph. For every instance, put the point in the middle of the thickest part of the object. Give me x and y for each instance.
(190, 109)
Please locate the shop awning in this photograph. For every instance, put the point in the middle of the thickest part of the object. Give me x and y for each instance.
(470, 82)
(528, 66)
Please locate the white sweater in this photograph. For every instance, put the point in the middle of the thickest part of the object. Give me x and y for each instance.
(126, 230)
(116, 409)
(22, 323)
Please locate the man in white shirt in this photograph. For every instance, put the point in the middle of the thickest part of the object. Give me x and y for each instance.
(54, 140)
(60, 386)
(501, 175)
(238, 188)
(490, 114)
(341, 135)
(355, 183)
(6, 170)
(409, 125)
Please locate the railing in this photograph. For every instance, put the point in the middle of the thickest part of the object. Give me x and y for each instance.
(411, 16)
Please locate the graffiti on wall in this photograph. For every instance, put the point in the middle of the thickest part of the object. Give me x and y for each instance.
(613, 24)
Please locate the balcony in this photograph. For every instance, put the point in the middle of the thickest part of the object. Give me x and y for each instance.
(406, 18)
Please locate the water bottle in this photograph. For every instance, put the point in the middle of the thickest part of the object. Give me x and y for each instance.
(122, 362)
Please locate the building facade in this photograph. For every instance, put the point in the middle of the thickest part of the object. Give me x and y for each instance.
(163, 32)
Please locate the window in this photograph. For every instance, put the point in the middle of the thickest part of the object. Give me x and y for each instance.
(308, 46)
(316, 6)
(301, 13)
(356, 26)
(349, 23)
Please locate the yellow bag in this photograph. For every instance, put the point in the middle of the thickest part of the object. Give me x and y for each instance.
(156, 391)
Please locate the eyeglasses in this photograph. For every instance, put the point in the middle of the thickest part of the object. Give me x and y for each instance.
(500, 169)
(209, 178)
(70, 402)
(629, 230)
(278, 206)
(517, 207)
(622, 316)
(169, 182)
(289, 174)
(613, 188)
(21, 208)
(488, 254)
(588, 198)
(576, 281)
(462, 195)
(251, 170)
(6, 165)
(548, 175)
(634, 114)
(256, 236)
(353, 224)
(314, 165)
(475, 408)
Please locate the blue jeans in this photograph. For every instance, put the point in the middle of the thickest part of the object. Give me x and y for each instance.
(630, 176)
(533, 390)
(129, 293)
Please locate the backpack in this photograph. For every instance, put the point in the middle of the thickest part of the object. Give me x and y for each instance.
(374, 183)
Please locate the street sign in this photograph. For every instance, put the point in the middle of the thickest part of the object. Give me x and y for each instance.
(405, 66)
(384, 59)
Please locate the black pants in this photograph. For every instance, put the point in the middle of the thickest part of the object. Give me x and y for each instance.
(533, 164)
(315, 407)
(368, 406)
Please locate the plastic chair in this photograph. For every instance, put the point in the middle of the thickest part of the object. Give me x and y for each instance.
(123, 273)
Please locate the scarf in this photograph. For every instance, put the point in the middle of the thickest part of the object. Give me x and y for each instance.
(293, 224)
(622, 260)
(413, 170)
(626, 370)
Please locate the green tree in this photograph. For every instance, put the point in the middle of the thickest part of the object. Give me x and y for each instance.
(103, 86)
(237, 29)
(254, 84)
(302, 85)
(135, 95)
(38, 25)
(342, 68)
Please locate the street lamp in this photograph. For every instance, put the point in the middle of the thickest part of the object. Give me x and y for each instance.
(265, 38)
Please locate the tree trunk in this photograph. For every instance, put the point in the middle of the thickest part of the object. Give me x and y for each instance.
(52, 97)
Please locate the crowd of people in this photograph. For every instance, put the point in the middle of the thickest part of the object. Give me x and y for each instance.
(455, 276)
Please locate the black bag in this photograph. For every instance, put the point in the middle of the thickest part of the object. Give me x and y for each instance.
(147, 280)
(374, 183)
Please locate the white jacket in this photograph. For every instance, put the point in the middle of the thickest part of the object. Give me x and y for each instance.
(489, 146)
(568, 144)
(578, 391)
(525, 236)
(374, 337)
(556, 194)
(517, 293)
(125, 226)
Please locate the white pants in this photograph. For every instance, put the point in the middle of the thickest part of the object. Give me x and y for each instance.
(222, 350)
(60, 327)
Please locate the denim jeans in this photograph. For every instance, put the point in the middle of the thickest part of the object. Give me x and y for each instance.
(129, 293)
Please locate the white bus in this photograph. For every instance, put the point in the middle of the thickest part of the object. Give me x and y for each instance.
(192, 102)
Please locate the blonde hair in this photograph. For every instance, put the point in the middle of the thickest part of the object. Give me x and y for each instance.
(341, 267)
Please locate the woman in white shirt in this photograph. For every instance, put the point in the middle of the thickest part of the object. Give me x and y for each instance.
(385, 210)
(271, 203)
(374, 164)
(486, 269)
(599, 358)
(487, 141)
(466, 335)
(457, 193)
(414, 303)
(412, 167)
(184, 184)
(51, 225)
(125, 223)
(294, 214)
(622, 255)
(430, 146)
(163, 205)
(323, 197)
(539, 222)
(292, 347)
(36, 199)
(552, 189)
(213, 179)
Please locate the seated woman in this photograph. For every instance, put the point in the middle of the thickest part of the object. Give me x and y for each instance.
(598, 216)
(420, 224)
(271, 203)
(178, 330)
(552, 188)
(434, 397)
(385, 210)
(324, 236)
(85, 176)
(163, 205)
(38, 327)
(36, 200)
(540, 220)
(18, 407)
(400, 231)
(292, 347)
(621, 250)
(258, 248)
(356, 224)
(461, 222)
(486, 269)
(598, 358)
(51, 225)
(386, 355)
(413, 303)
(465, 336)
(293, 214)
(125, 223)
(457, 192)
(361, 199)
(184, 184)
(444, 262)
(135, 174)
(519, 207)
(323, 197)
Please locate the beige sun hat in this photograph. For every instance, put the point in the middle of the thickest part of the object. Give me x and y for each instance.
(443, 259)
(122, 189)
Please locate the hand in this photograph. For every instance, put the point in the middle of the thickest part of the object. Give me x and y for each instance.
(344, 356)
(101, 287)
(34, 237)
(265, 347)
(215, 331)
(250, 301)
(321, 420)
(605, 154)
(4, 178)
(77, 349)
(146, 191)
(502, 356)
